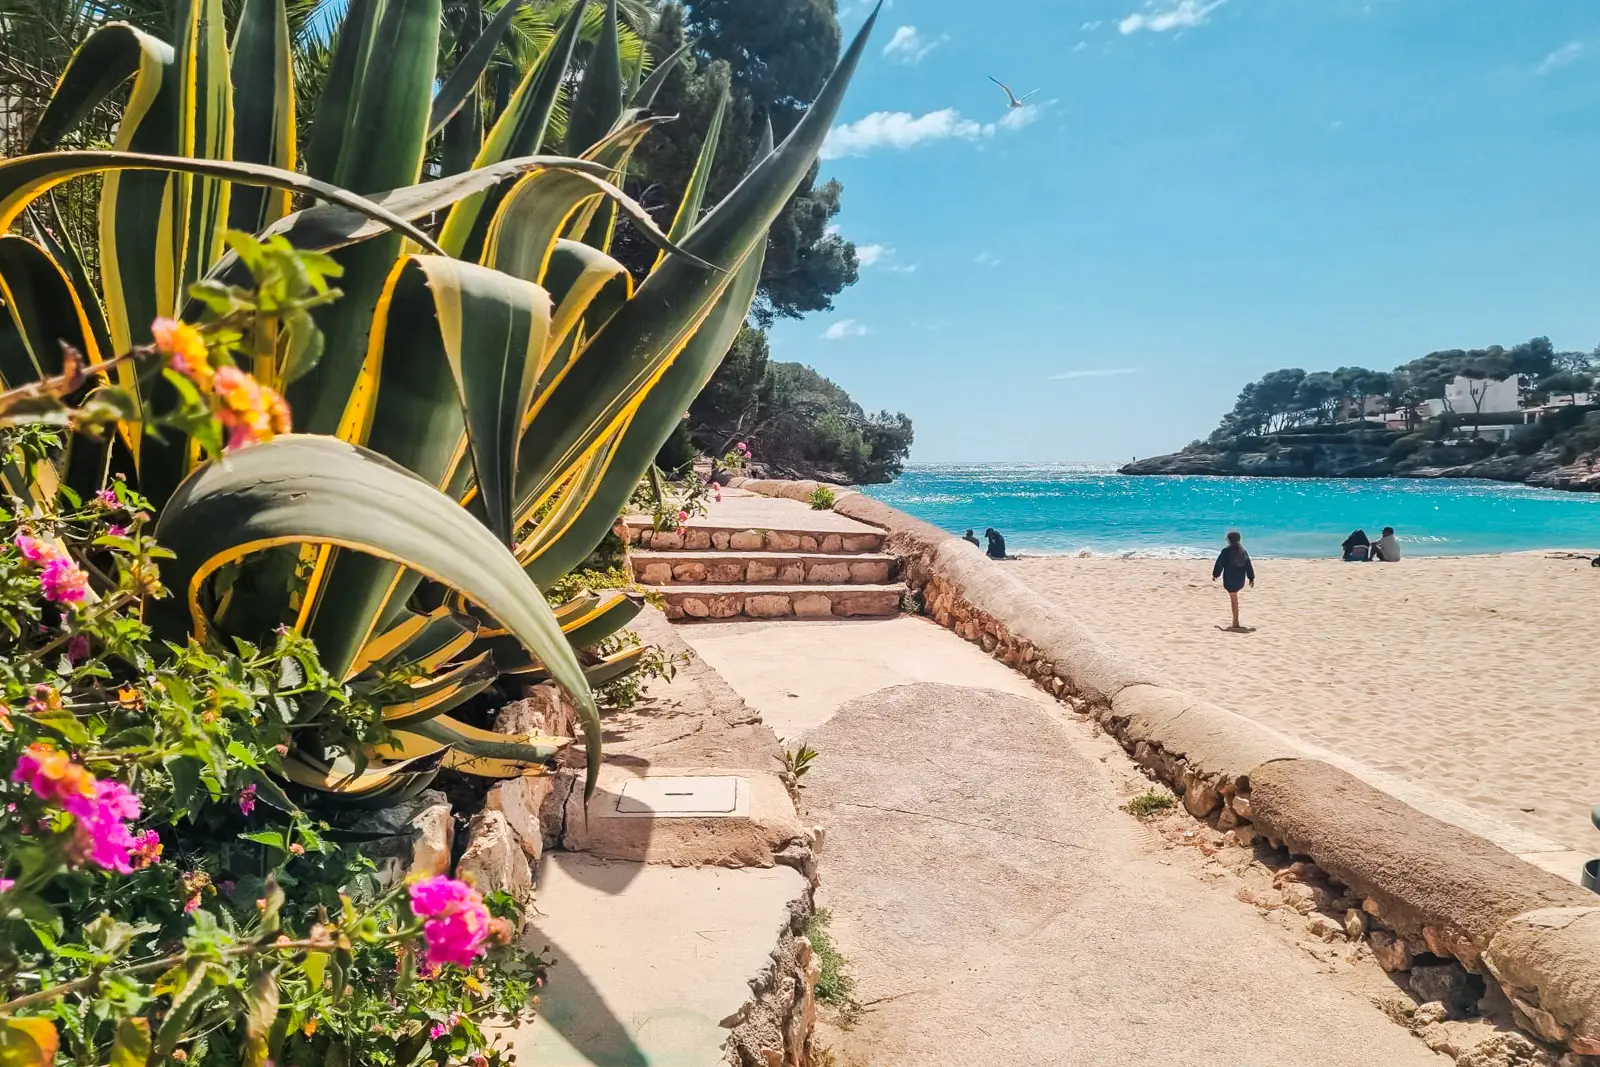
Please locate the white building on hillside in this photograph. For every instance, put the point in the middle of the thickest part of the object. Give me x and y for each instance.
(1483, 396)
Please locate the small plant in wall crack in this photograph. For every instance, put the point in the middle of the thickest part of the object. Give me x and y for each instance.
(798, 760)
(1150, 803)
(835, 986)
(822, 499)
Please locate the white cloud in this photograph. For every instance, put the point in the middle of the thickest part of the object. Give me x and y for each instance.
(867, 255)
(1017, 117)
(1080, 46)
(842, 329)
(899, 129)
(1090, 27)
(831, 229)
(908, 46)
(909, 268)
(1182, 15)
(1112, 372)
(984, 259)
(1561, 57)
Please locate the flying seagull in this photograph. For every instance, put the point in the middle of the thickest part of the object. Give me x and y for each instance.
(1015, 101)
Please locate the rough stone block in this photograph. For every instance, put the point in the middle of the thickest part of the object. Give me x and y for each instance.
(782, 541)
(1546, 959)
(809, 543)
(695, 608)
(828, 573)
(832, 542)
(760, 570)
(813, 606)
(655, 574)
(724, 606)
(493, 860)
(693, 571)
(792, 573)
(696, 539)
(870, 571)
(667, 539)
(861, 542)
(747, 541)
(522, 801)
(720, 539)
(725, 571)
(435, 829)
(767, 606)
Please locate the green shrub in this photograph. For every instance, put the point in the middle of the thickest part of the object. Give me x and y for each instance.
(822, 499)
(1150, 803)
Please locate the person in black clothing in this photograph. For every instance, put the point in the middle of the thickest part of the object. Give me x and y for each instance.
(1233, 566)
(1356, 547)
(970, 536)
(997, 544)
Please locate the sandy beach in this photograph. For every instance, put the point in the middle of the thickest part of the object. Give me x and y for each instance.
(1475, 676)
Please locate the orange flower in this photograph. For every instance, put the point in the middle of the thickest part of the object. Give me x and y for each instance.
(51, 774)
(251, 412)
(185, 350)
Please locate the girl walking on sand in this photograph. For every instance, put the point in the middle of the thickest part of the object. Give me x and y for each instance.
(1234, 568)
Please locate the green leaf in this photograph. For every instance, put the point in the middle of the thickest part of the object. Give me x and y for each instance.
(519, 131)
(27, 1042)
(463, 80)
(641, 341)
(700, 178)
(260, 1012)
(205, 105)
(336, 109)
(645, 95)
(44, 310)
(308, 490)
(599, 99)
(263, 109)
(131, 1048)
(190, 997)
(24, 178)
(274, 838)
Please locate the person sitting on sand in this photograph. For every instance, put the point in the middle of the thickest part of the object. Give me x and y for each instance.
(1386, 549)
(1356, 547)
(997, 544)
(970, 536)
(1233, 566)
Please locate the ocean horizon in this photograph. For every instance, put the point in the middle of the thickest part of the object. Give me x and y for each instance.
(1089, 509)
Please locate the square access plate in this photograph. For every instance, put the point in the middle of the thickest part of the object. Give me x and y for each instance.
(680, 795)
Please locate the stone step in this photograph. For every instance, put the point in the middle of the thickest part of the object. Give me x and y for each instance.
(782, 601)
(784, 568)
(700, 536)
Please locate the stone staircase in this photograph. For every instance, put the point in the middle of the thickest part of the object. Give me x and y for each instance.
(761, 558)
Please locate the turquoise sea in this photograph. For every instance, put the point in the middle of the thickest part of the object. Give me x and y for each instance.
(1073, 508)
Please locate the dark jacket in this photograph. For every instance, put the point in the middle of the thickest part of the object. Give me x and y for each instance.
(1233, 569)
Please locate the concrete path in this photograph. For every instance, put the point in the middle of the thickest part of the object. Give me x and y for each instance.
(994, 904)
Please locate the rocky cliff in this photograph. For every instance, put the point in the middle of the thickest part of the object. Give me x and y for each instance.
(1280, 459)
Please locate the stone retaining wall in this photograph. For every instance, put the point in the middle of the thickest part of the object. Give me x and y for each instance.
(1427, 889)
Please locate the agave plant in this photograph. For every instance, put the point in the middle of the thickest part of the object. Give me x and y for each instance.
(470, 417)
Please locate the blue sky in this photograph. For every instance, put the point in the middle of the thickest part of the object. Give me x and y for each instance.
(1199, 192)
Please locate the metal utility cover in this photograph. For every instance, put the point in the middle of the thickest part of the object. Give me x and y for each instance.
(684, 795)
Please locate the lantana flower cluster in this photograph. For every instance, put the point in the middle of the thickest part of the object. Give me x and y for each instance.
(101, 810)
(60, 578)
(251, 413)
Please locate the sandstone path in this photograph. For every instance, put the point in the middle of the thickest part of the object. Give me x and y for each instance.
(995, 905)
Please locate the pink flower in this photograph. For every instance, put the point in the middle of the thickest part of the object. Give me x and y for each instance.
(33, 550)
(742, 447)
(456, 924)
(146, 849)
(683, 516)
(226, 886)
(117, 530)
(63, 581)
(6, 884)
(102, 830)
(440, 1029)
(51, 774)
(77, 649)
(106, 498)
(247, 799)
(192, 904)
